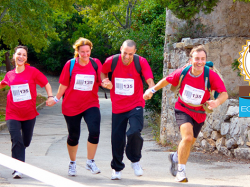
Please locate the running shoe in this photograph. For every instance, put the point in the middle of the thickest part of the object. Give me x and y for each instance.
(72, 169)
(92, 167)
(174, 165)
(17, 175)
(116, 175)
(181, 176)
(137, 168)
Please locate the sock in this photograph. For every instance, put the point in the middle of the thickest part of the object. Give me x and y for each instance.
(181, 167)
(90, 160)
(73, 162)
(175, 157)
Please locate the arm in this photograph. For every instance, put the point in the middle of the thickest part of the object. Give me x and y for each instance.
(2, 86)
(49, 92)
(148, 93)
(150, 83)
(217, 102)
(106, 83)
(60, 92)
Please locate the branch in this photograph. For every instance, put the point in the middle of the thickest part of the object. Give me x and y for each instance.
(3, 13)
(119, 21)
(111, 22)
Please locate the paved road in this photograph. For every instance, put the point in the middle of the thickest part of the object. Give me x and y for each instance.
(48, 151)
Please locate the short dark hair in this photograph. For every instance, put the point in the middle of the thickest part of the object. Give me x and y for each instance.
(198, 49)
(130, 43)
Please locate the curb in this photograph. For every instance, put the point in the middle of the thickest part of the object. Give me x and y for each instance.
(3, 125)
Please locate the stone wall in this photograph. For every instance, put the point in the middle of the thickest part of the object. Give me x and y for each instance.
(223, 130)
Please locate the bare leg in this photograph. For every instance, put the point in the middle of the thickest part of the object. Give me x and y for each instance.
(91, 150)
(72, 152)
(187, 141)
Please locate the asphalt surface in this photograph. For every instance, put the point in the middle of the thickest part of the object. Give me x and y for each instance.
(48, 151)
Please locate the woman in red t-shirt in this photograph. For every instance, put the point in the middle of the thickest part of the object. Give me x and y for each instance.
(21, 102)
(79, 88)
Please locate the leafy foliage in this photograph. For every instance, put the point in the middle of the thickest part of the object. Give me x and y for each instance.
(235, 67)
(185, 9)
(29, 22)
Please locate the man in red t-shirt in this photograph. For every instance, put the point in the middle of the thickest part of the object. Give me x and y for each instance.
(126, 91)
(190, 118)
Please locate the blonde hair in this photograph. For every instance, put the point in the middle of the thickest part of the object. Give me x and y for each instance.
(81, 42)
(198, 49)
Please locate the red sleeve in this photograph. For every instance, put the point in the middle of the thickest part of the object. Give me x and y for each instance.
(145, 68)
(5, 80)
(65, 75)
(106, 67)
(216, 83)
(40, 78)
(173, 78)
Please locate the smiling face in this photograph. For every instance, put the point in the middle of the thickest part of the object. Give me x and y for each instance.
(20, 57)
(198, 62)
(127, 54)
(84, 53)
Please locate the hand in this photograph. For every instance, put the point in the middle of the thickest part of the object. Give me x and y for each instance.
(213, 104)
(50, 102)
(147, 95)
(106, 83)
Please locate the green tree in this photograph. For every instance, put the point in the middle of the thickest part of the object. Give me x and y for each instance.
(29, 21)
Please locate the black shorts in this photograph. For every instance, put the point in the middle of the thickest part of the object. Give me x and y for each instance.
(182, 117)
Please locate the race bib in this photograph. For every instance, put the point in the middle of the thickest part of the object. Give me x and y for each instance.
(192, 95)
(124, 86)
(20, 92)
(84, 82)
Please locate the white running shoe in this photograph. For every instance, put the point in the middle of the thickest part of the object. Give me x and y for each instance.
(116, 175)
(92, 167)
(72, 169)
(174, 165)
(181, 176)
(17, 175)
(137, 168)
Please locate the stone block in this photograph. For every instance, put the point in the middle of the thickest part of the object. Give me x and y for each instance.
(215, 135)
(178, 45)
(231, 143)
(225, 151)
(242, 153)
(224, 128)
(232, 111)
(219, 143)
(248, 144)
(216, 125)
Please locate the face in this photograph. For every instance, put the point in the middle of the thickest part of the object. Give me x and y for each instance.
(84, 52)
(198, 61)
(20, 57)
(127, 54)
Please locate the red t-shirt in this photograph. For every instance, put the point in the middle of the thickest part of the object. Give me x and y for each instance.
(82, 90)
(22, 106)
(198, 83)
(125, 99)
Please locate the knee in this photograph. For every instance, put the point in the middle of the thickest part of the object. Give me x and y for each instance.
(134, 134)
(72, 141)
(189, 139)
(94, 137)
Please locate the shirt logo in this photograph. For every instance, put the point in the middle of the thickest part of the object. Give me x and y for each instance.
(244, 91)
(245, 61)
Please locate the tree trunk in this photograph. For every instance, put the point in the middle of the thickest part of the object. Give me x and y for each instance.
(7, 61)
